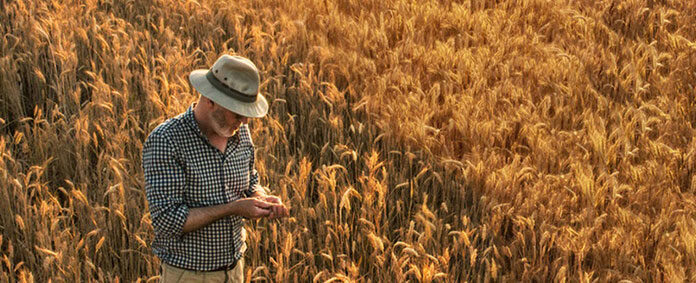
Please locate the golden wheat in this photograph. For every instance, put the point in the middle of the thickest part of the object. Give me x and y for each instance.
(441, 141)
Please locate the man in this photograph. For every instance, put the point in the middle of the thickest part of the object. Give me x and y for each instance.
(200, 178)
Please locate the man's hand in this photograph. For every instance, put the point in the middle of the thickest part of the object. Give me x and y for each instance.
(252, 208)
(278, 209)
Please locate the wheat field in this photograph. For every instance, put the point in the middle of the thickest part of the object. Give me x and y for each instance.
(422, 141)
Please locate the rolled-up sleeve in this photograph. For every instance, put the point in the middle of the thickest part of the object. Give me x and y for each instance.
(164, 186)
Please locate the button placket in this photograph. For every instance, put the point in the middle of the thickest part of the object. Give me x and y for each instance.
(226, 179)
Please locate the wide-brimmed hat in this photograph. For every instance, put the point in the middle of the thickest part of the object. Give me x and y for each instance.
(233, 83)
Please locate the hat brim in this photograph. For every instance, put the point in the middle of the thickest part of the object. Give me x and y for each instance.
(256, 109)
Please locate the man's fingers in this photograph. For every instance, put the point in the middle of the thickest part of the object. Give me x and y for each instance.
(263, 212)
(272, 212)
(278, 211)
(270, 207)
(262, 204)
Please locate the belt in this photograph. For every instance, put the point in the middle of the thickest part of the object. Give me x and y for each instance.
(226, 267)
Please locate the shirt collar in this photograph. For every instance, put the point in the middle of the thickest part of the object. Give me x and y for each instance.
(190, 120)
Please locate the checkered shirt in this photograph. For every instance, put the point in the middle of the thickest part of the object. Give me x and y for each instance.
(182, 171)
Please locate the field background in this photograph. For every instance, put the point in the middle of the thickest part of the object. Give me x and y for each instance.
(414, 140)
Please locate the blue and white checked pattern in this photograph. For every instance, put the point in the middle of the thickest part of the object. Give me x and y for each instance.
(183, 170)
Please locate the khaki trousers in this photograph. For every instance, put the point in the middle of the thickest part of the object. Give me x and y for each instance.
(171, 274)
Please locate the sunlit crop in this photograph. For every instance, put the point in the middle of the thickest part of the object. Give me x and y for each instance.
(420, 141)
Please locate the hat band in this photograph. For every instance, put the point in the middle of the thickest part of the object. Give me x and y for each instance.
(227, 90)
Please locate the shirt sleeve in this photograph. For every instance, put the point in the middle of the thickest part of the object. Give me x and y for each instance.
(164, 186)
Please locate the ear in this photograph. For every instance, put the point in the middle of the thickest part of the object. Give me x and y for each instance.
(209, 102)
(205, 101)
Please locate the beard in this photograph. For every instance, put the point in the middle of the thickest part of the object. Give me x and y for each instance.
(221, 127)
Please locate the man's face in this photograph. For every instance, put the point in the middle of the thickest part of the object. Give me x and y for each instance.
(225, 122)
